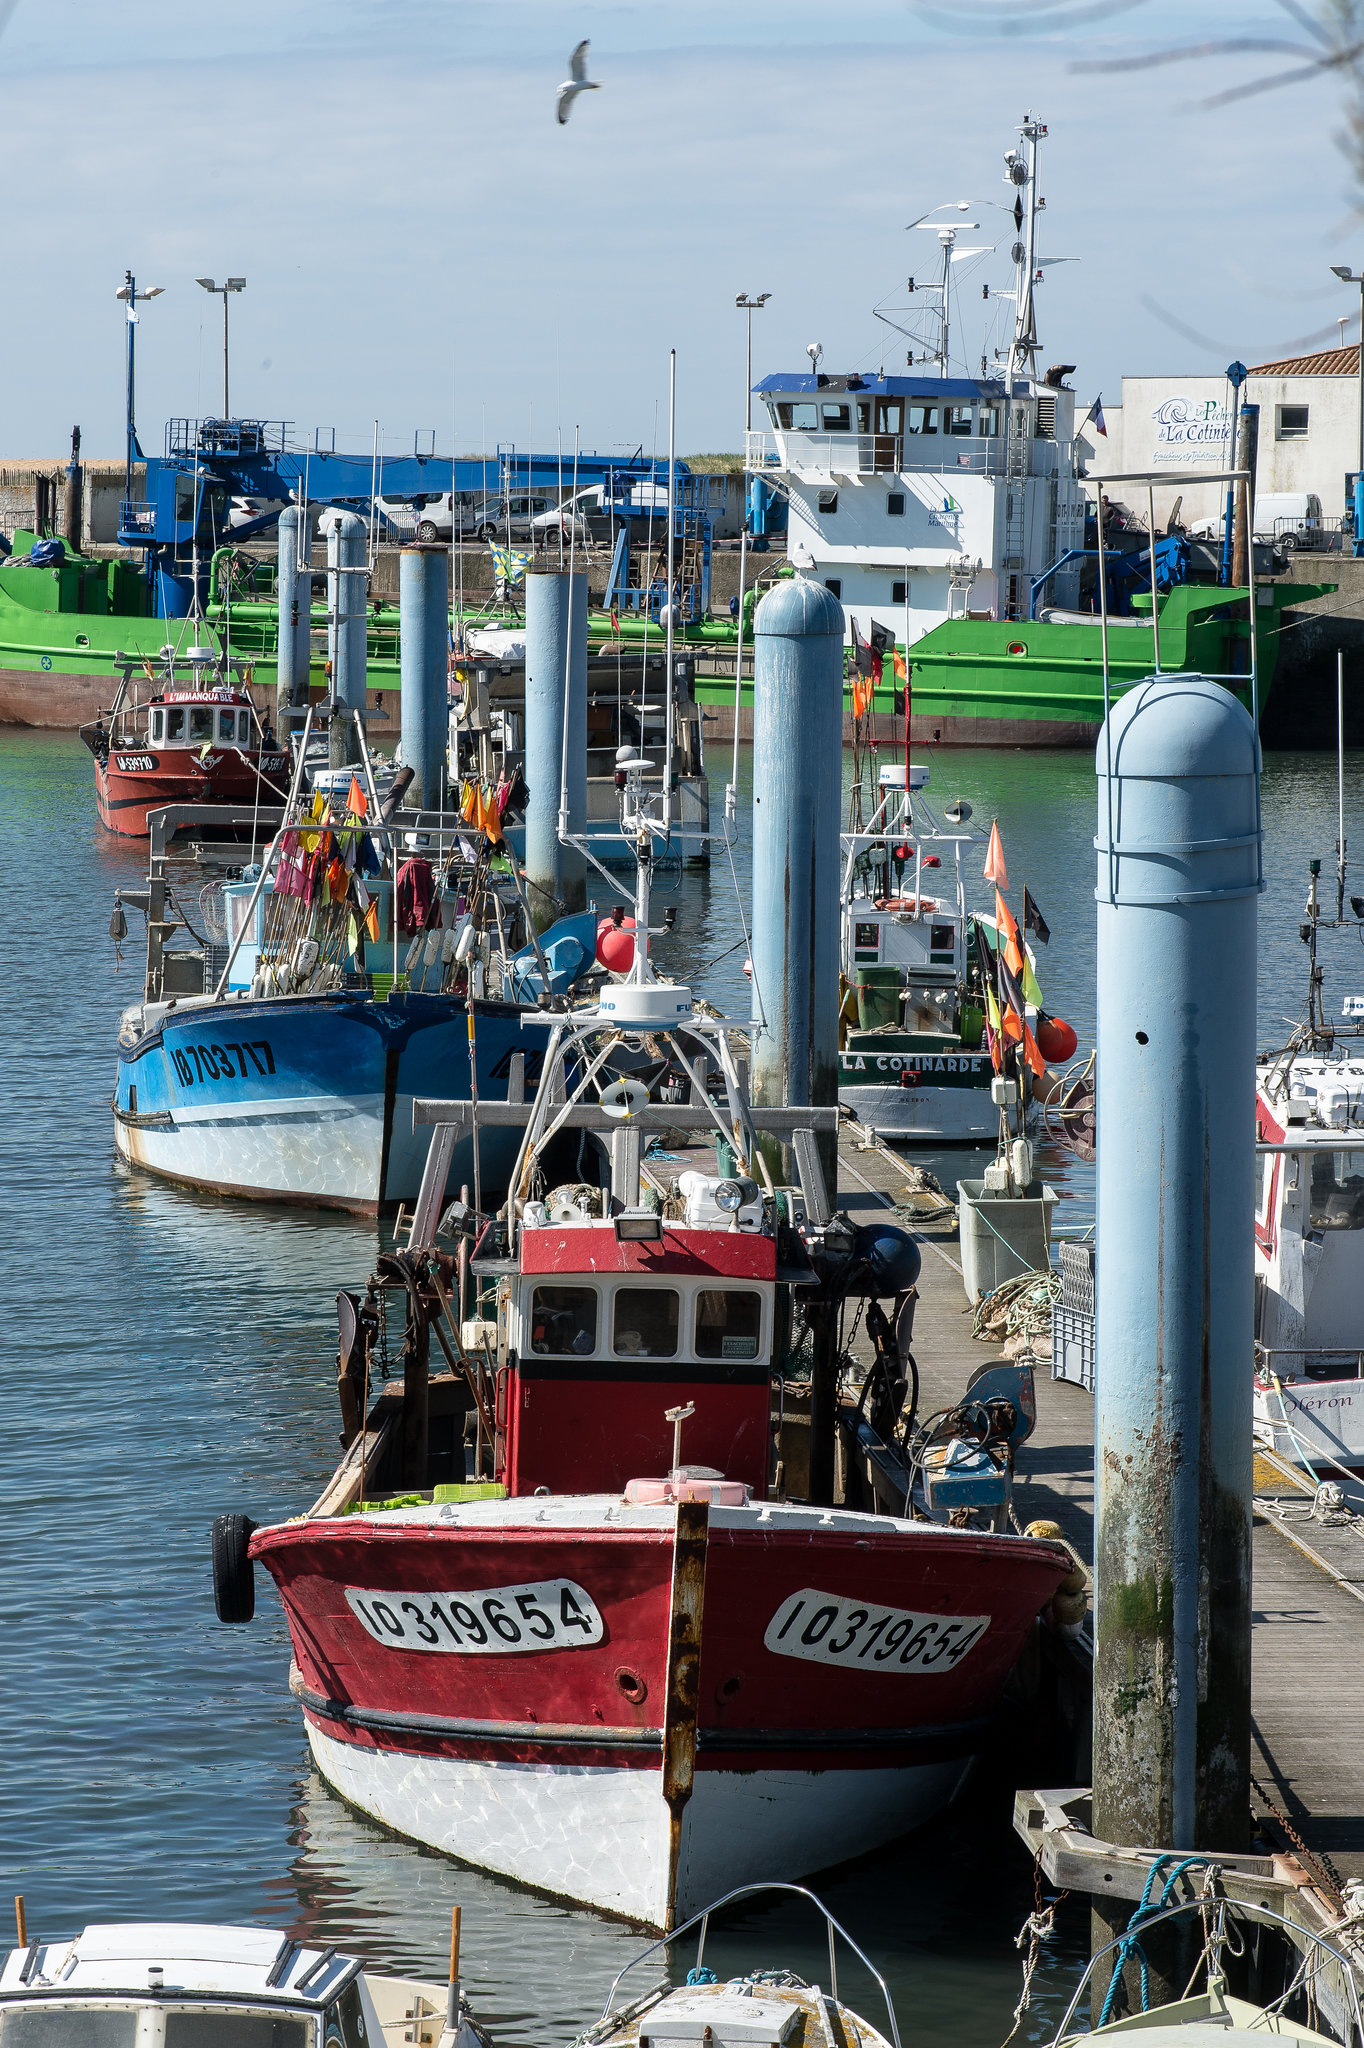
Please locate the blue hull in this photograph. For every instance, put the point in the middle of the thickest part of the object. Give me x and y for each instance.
(309, 1098)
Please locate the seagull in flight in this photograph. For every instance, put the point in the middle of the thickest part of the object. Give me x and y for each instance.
(576, 82)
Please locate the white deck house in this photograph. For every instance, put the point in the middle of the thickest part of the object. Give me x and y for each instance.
(924, 498)
(1309, 432)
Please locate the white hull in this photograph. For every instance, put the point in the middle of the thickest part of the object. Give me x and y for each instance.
(316, 1149)
(961, 1116)
(600, 1836)
(1317, 1420)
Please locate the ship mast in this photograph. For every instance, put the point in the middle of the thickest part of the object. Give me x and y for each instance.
(1021, 173)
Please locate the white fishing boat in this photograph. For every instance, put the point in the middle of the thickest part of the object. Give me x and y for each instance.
(767, 2007)
(1309, 1221)
(175, 1984)
(921, 1026)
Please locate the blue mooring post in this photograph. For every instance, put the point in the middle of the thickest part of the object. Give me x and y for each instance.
(797, 773)
(294, 596)
(424, 639)
(1180, 872)
(556, 733)
(346, 565)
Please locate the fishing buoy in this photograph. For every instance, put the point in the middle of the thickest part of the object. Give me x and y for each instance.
(1056, 1039)
(748, 969)
(616, 944)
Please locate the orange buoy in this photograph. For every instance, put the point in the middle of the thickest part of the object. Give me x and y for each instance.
(1056, 1039)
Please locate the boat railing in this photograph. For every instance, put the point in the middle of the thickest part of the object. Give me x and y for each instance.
(746, 1891)
(136, 515)
(1318, 1954)
(859, 455)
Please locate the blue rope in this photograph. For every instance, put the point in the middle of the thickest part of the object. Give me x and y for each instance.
(705, 1975)
(1130, 1945)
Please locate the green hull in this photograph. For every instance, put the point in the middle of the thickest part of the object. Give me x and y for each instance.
(972, 682)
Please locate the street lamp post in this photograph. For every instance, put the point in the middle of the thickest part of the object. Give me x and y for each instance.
(748, 306)
(1348, 276)
(233, 284)
(132, 297)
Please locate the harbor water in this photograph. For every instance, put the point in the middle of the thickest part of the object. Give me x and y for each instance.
(171, 1357)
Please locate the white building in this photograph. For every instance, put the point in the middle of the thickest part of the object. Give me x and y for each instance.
(1309, 433)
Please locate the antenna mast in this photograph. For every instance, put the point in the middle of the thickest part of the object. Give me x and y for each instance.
(1021, 173)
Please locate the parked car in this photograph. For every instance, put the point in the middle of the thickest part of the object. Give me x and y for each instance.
(438, 518)
(1288, 519)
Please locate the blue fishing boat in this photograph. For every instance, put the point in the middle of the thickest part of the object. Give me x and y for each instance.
(290, 1016)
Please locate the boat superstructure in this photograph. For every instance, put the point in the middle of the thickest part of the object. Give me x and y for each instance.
(168, 1984)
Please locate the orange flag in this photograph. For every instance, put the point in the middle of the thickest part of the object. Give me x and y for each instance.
(1031, 1054)
(1007, 931)
(861, 695)
(357, 803)
(995, 870)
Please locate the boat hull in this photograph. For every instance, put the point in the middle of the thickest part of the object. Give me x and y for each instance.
(133, 781)
(556, 1763)
(308, 1099)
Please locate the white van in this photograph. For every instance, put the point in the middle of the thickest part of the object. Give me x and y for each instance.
(1288, 519)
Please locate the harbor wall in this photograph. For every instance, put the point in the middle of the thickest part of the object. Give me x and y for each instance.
(103, 493)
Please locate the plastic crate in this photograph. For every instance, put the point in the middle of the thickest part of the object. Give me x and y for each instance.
(215, 960)
(1072, 1345)
(1077, 1276)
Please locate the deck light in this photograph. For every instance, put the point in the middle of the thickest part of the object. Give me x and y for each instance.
(639, 1226)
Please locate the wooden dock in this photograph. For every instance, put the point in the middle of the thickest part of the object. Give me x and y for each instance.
(1308, 1642)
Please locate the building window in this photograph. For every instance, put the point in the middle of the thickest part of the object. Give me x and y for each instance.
(899, 592)
(828, 502)
(895, 504)
(1290, 423)
(834, 586)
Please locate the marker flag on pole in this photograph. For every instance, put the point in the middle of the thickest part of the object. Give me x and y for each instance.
(995, 870)
(1033, 920)
(357, 803)
(1010, 945)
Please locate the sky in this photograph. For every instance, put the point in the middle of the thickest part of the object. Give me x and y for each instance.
(424, 245)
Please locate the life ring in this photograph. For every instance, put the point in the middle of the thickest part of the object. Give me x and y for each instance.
(910, 903)
(234, 1576)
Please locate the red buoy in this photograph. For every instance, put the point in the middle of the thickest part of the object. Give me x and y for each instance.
(616, 944)
(1056, 1039)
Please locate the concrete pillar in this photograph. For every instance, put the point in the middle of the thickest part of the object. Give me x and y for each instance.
(556, 704)
(295, 610)
(797, 776)
(346, 567)
(424, 642)
(1178, 882)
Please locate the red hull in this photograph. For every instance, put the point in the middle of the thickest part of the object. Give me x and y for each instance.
(134, 781)
(603, 1702)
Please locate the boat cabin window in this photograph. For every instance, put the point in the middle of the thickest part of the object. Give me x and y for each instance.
(866, 938)
(834, 418)
(828, 502)
(728, 1322)
(895, 504)
(227, 725)
(941, 942)
(156, 728)
(645, 1323)
(987, 422)
(243, 726)
(200, 722)
(184, 500)
(1337, 1198)
(890, 416)
(834, 586)
(68, 2026)
(1268, 1168)
(563, 1322)
(232, 2028)
(923, 419)
(899, 592)
(175, 725)
(956, 419)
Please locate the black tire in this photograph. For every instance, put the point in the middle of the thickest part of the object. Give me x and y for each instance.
(426, 531)
(1287, 543)
(487, 533)
(234, 1576)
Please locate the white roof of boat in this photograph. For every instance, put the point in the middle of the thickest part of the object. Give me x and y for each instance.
(192, 1956)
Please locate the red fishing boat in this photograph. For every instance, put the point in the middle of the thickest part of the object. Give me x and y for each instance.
(562, 1611)
(173, 738)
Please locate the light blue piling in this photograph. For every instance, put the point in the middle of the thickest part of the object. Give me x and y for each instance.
(797, 773)
(295, 615)
(1180, 872)
(556, 734)
(346, 566)
(424, 639)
